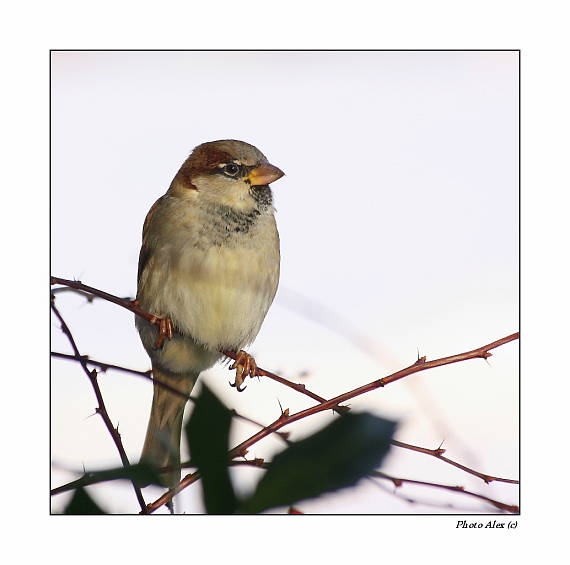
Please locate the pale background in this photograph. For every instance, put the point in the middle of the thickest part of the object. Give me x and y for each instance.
(398, 220)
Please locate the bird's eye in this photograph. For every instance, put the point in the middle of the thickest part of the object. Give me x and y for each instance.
(231, 169)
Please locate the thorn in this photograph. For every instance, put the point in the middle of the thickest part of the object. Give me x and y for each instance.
(170, 506)
(284, 413)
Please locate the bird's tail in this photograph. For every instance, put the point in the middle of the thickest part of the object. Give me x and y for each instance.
(162, 442)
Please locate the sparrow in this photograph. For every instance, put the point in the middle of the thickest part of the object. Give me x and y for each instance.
(208, 271)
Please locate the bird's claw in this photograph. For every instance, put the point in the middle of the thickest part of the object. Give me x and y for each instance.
(237, 386)
(245, 366)
(165, 330)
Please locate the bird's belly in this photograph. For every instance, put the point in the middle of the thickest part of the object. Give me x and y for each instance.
(220, 296)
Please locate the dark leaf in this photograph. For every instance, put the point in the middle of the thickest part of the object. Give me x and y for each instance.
(82, 503)
(141, 473)
(333, 458)
(208, 436)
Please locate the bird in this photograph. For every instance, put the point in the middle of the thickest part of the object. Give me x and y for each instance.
(208, 272)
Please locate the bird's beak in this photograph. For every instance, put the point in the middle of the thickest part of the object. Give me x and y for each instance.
(264, 174)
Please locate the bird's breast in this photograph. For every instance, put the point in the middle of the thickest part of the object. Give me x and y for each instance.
(218, 291)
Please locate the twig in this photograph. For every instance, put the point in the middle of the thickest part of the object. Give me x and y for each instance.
(286, 419)
(438, 454)
(124, 302)
(421, 364)
(104, 366)
(148, 375)
(260, 463)
(395, 493)
(420, 502)
(87, 479)
(334, 403)
(482, 352)
(101, 409)
(299, 387)
(129, 304)
(399, 482)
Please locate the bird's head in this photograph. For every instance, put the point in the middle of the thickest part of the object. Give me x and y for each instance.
(228, 172)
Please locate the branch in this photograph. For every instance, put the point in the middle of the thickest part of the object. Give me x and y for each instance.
(482, 352)
(104, 366)
(148, 375)
(132, 306)
(399, 482)
(124, 302)
(421, 365)
(438, 454)
(260, 463)
(447, 505)
(87, 479)
(101, 410)
(285, 418)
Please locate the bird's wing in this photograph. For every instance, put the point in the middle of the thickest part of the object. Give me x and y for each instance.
(145, 251)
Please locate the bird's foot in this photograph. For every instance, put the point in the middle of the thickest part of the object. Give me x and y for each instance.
(165, 330)
(245, 366)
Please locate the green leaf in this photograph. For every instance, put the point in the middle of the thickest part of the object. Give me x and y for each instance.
(208, 436)
(141, 473)
(333, 458)
(82, 503)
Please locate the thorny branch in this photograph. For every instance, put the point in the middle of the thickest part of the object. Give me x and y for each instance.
(148, 375)
(285, 419)
(87, 479)
(101, 409)
(324, 404)
(398, 482)
(133, 307)
(438, 454)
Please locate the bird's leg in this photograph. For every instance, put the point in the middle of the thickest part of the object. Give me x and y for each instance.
(245, 366)
(165, 330)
